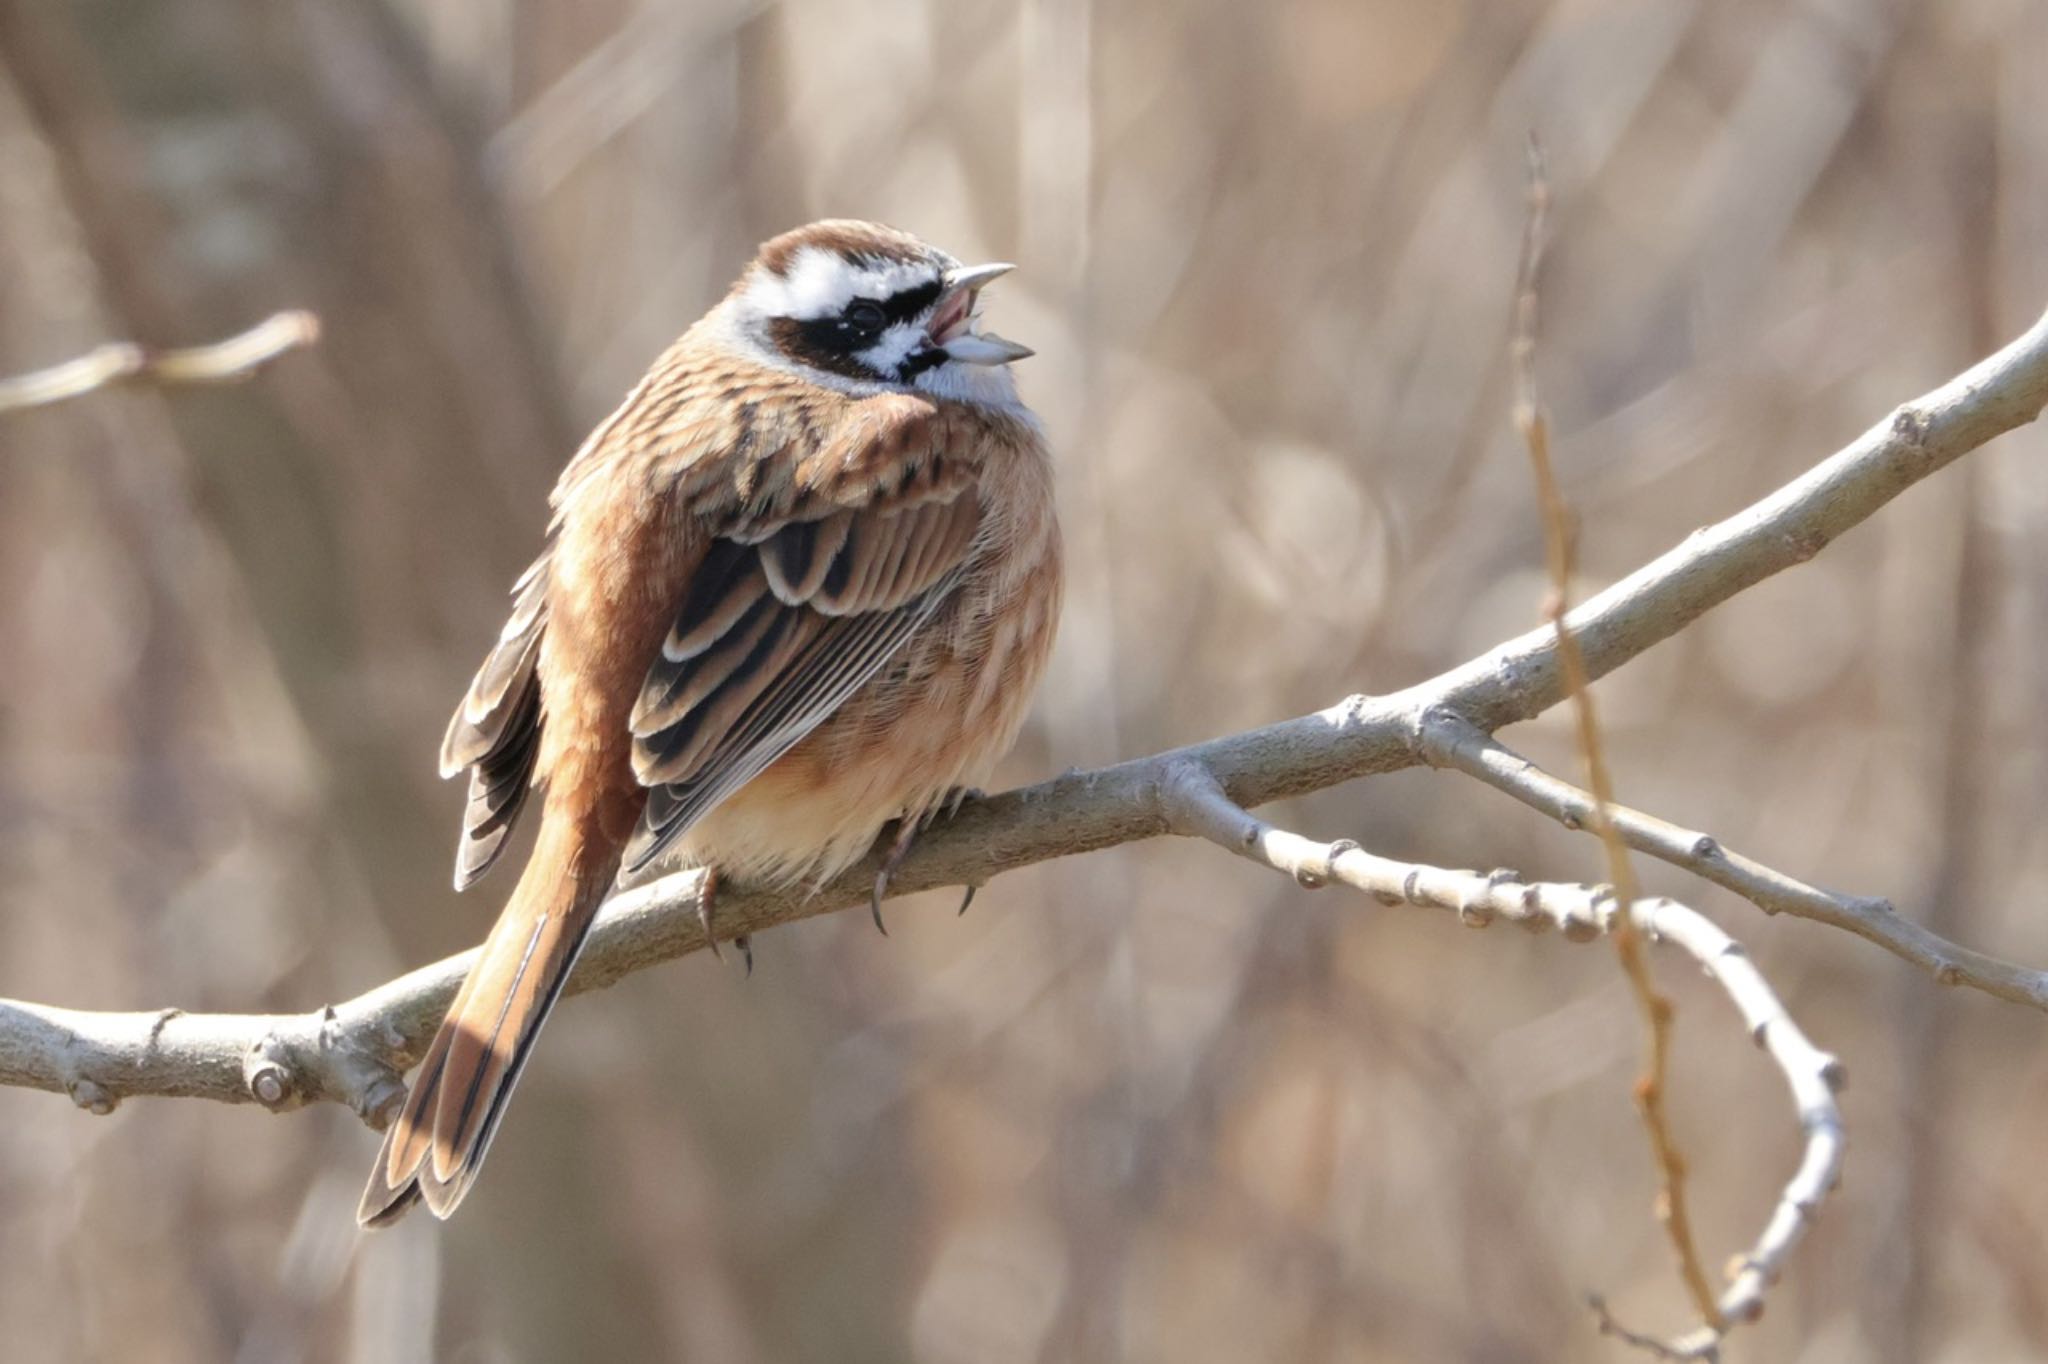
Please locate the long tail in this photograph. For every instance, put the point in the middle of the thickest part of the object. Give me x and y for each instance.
(436, 1145)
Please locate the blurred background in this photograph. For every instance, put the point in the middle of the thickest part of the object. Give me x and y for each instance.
(1148, 1104)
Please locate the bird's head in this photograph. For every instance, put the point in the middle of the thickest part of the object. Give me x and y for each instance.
(868, 305)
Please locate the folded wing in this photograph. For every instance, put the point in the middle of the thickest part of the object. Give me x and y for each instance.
(779, 626)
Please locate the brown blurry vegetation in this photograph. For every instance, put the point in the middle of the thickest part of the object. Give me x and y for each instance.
(1143, 1104)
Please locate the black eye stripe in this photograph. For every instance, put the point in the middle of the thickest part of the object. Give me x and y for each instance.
(834, 342)
(821, 343)
(905, 304)
(902, 306)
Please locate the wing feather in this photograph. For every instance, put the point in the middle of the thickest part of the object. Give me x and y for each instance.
(495, 732)
(775, 633)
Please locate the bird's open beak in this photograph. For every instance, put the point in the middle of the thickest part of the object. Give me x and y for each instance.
(952, 326)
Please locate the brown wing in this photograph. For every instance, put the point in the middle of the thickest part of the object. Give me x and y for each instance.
(495, 733)
(790, 612)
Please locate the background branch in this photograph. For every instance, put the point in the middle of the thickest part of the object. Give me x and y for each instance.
(222, 362)
(1559, 557)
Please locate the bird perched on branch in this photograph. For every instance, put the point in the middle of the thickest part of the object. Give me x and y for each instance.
(799, 585)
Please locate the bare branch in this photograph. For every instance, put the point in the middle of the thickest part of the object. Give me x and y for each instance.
(118, 362)
(1449, 741)
(1195, 805)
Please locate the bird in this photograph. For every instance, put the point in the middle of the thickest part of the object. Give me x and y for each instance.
(800, 585)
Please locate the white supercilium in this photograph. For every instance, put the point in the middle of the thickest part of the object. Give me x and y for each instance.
(820, 283)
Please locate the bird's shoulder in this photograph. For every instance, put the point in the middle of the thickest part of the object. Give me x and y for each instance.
(730, 437)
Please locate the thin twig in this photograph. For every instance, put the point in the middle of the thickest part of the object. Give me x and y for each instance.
(119, 362)
(1558, 555)
(1448, 740)
(1195, 804)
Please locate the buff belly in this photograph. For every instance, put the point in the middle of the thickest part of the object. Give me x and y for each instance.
(937, 721)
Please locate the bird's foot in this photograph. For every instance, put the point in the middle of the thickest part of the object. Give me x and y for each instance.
(707, 894)
(899, 848)
(906, 839)
(961, 795)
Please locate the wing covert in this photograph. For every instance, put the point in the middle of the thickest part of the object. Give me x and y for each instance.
(775, 632)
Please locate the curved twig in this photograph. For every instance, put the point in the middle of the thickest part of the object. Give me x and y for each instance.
(1195, 805)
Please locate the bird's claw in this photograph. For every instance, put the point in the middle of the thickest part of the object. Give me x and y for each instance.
(906, 839)
(875, 900)
(707, 891)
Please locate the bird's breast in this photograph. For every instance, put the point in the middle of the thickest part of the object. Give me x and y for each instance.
(937, 718)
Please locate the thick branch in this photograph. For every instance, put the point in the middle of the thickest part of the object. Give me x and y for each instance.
(103, 1057)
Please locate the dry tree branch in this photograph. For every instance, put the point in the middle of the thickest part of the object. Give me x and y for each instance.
(1558, 555)
(222, 362)
(1194, 804)
(1449, 741)
(346, 1052)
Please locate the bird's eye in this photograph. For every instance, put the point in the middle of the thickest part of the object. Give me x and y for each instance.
(866, 316)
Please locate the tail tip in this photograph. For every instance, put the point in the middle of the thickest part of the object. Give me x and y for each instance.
(383, 1205)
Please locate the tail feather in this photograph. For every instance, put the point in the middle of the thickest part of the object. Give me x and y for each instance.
(437, 1143)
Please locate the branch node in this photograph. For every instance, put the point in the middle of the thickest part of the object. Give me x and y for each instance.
(267, 1073)
(1910, 425)
(93, 1097)
(1579, 925)
(1425, 737)
(157, 1025)
(1314, 875)
(1411, 887)
(1834, 1074)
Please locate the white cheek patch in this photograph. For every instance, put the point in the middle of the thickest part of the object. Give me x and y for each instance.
(820, 283)
(886, 355)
